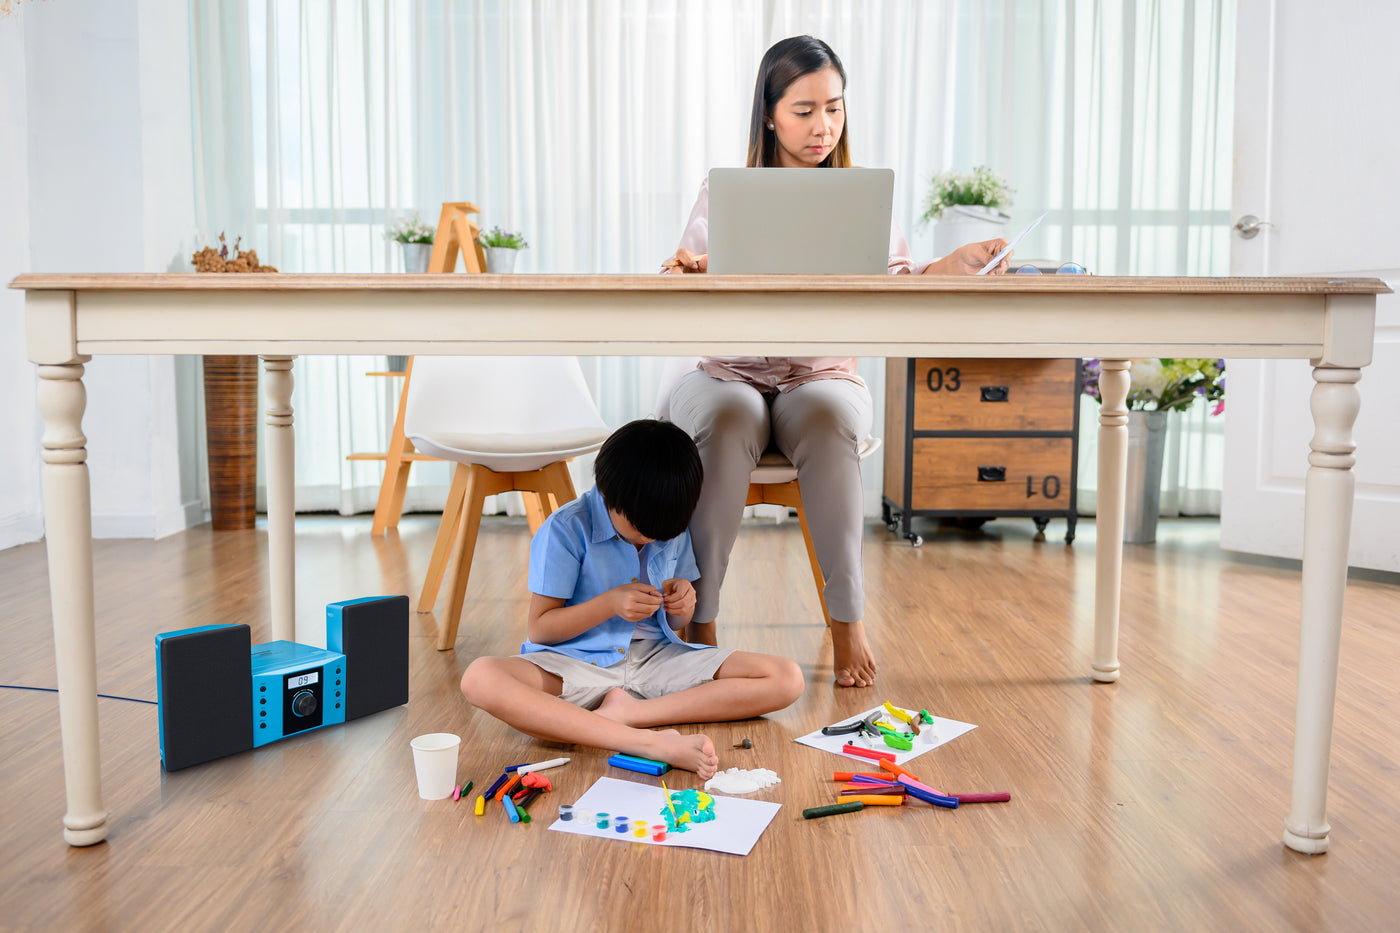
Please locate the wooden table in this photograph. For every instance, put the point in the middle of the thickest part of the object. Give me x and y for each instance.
(70, 318)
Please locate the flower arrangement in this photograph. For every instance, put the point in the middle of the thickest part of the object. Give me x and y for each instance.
(496, 238)
(1164, 385)
(210, 259)
(409, 229)
(979, 187)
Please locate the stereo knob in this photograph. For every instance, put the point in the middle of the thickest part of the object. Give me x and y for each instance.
(304, 703)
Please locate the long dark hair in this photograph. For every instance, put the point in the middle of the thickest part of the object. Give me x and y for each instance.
(783, 64)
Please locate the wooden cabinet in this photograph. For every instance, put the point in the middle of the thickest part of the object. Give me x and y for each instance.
(981, 439)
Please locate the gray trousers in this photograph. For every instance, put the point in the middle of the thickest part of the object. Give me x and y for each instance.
(819, 427)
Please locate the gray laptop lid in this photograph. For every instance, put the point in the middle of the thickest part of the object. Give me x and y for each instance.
(789, 221)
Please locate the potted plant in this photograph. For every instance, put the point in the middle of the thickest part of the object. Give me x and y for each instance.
(416, 238)
(501, 247)
(1155, 387)
(965, 207)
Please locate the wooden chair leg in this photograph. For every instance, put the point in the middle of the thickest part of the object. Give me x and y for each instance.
(536, 509)
(789, 495)
(447, 533)
(396, 466)
(481, 483)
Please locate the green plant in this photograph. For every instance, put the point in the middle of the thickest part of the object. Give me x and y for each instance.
(409, 230)
(497, 238)
(1164, 385)
(981, 186)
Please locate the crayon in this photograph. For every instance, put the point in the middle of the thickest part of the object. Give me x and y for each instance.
(541, 765)
(480, 804)
(496, 784)
(850, 775)
(879, 800)
(867, 753)
(509, 785)
(513, 813)
(850, 806)
(999, 797)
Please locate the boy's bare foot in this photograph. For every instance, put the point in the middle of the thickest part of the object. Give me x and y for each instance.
(687, 752)
(852, 658)
(617, 705)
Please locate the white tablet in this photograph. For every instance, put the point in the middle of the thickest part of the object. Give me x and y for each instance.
(795, 221)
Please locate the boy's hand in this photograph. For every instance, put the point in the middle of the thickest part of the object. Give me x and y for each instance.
(680, 597)
(635, 601)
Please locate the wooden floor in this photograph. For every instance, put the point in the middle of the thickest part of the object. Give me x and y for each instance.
(1156, 803)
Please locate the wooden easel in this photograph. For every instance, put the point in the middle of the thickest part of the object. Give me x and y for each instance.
(456, 233)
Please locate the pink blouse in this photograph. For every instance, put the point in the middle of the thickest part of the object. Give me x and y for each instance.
(782, 373)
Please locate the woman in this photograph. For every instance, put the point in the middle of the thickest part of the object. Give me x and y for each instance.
(816, 410)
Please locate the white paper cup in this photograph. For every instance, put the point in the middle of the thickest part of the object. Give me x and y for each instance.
(435, 762)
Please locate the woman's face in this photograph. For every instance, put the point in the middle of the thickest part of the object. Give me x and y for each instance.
(809, 119)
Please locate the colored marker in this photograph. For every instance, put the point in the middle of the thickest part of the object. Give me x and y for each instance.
(541, 765)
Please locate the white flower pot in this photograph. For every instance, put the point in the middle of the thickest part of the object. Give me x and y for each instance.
(963, 224)
(500, 260)
(416, 256)
(1142, 494)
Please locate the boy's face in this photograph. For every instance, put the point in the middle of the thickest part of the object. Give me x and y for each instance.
(625, 530)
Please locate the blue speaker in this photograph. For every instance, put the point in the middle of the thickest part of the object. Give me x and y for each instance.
(217, 694)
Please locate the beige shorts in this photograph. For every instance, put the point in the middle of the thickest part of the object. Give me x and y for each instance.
(651, 668)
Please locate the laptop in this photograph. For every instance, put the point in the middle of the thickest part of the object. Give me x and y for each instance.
(800, 221)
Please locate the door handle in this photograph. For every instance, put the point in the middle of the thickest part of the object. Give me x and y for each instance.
(1249, 225)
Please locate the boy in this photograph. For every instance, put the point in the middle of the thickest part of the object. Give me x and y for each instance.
(610, 584)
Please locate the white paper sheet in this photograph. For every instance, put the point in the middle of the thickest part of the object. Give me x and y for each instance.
(736, 827)
(1010, 246)
(942, 730)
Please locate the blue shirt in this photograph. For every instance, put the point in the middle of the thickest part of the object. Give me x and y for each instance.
(577, 554)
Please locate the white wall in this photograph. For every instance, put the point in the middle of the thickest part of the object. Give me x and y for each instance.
(98, 162)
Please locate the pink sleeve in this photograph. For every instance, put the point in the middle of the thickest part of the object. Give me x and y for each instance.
(901, 263)
(696, 235)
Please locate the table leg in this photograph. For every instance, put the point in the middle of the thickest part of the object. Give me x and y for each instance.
(1329, 492)
(281, 464)
(68, 534)
(1108, 550)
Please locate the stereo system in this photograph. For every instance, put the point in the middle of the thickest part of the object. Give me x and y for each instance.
(217, 694)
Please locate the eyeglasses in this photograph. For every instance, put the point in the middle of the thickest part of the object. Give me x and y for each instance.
(1066, 268)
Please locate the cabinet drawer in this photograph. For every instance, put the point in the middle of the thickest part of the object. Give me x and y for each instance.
(988, 473)
(995, 395)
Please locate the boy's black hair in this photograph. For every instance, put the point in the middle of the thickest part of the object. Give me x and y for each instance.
(649, 472)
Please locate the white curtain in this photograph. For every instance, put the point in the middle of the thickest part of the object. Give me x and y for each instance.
(588, 126)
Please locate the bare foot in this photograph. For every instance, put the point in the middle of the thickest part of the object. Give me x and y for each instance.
(617, 705)
(687, 752)
(852, 658)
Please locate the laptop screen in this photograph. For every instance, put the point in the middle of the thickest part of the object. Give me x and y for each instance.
(796, 221)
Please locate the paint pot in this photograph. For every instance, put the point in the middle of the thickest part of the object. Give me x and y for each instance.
(639, 828)
(658, 832)
(621, 824)
(603, 820)
(566, 812)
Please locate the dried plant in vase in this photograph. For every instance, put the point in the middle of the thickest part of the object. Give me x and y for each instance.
(210, 259)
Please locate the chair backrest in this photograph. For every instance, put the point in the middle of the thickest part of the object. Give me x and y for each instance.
(505, 395)
(672, 372)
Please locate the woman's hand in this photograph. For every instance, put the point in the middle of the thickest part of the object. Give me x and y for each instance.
(969, 259)
(686, 261)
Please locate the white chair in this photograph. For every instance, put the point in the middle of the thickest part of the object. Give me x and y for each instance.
(509, 423)
(773, 480)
